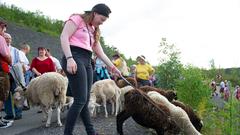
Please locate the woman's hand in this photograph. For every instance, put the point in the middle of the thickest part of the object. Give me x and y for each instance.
(38, 74)
(115, 71)
(71, 66)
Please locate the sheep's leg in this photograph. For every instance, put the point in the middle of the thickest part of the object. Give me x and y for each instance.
(105, 106)
(112, 103)
(44, 114)
(49, 112)
(117, 105)
(121, 117)
(59, 116)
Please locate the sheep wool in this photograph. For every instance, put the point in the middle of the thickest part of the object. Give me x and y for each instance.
(177, 114)
(46, 91)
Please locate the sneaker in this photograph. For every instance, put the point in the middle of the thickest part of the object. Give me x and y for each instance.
(18, 117)
(8, 117)
(7, 121)
(25, 108)
(39, 111)
(4, 125)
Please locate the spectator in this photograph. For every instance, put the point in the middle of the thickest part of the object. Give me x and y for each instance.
(222, 86)
(13, 112)
(143, 71)
(226, 92)
(42, 64)
(236, 93)
(121, 64)
(132, 71)
(5, 60)
(56, 62)
(213, 86)
(24, 50)
(101, 69)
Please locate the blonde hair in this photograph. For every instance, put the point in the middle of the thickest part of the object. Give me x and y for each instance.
(24, 45)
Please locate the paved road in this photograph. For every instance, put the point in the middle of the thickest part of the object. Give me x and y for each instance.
(30, 120)
(31, 124)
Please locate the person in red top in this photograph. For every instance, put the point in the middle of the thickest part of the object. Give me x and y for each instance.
(5, 60)
(42, 64)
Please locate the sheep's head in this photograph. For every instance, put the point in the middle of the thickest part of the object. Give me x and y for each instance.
(197, 122)
(121, 83)
(170, 94)
(19, 97)
(92, 105)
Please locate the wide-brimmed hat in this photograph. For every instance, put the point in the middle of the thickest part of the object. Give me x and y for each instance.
(141, 57)
(101, 9)
(116, 55)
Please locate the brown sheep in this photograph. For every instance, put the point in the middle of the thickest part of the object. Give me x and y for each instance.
(196, 121)
(169, 94)
(121, 83)
(145, 112)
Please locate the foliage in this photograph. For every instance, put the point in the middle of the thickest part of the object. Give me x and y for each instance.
(191, 88)
(222, 121)
(34, 20)
(40, 23)
(170, 68)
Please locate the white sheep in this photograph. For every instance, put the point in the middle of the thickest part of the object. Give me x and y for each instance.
(46, 91)
(103, 91)
(123, 91)
(177, 114)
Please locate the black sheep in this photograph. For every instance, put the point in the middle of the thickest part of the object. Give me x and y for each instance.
(145, 112)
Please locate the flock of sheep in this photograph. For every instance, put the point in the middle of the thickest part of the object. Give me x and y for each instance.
(148, 106)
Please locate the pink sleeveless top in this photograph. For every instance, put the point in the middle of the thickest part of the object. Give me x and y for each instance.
(81, 37)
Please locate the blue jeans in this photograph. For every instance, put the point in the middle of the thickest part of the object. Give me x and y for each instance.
(10, 109)
(80, 86)
(28, 76)
(142, 82)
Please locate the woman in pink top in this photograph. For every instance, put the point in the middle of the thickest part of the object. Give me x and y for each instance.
(79, 38)
(5, 61)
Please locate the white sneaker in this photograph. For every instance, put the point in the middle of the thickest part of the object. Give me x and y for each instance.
(5, 125)
(7, 121)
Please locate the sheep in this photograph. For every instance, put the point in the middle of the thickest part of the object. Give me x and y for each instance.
(105, 90)
(177, 114)
(145, 112)
(46, 91)
(123, 91)
(121, 83)
(194, 118)
(169, 94)
(68, 103)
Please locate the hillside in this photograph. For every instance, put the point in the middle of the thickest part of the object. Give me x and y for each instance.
(22, 34)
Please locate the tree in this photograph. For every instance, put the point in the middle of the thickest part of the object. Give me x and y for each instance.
(169, 69)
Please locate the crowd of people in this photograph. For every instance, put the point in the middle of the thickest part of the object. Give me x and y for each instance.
(222, 90)
(77, 64)
(16, 70)
(142, 71)
(45, 62)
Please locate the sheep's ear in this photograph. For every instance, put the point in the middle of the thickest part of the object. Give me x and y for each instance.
(96, 104)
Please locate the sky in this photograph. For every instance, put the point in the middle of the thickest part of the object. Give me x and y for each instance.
(202, 30)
